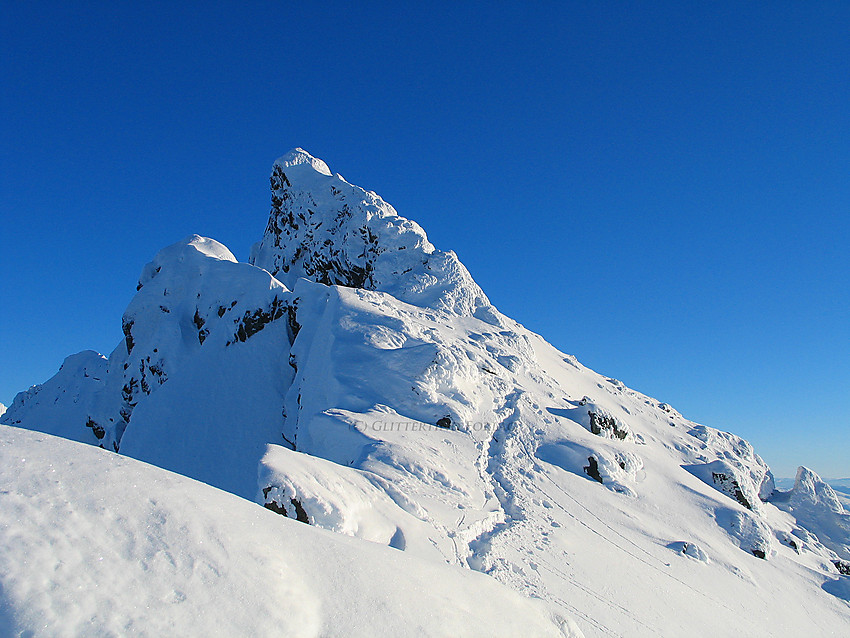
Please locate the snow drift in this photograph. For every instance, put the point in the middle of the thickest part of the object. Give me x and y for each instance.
(163, 555)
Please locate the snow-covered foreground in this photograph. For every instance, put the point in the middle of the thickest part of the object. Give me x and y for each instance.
(356, 378)
(97, 544)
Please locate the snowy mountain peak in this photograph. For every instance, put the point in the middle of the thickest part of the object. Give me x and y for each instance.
(329, 231)
(355, 378)
(298, 156)
(810, 489)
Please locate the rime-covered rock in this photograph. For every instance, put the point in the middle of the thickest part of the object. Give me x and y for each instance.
(332, 232)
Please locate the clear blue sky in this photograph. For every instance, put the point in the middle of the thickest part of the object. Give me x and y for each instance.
(661, 189)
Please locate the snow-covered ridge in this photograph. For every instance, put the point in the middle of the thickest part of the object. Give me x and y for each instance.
(337, 388)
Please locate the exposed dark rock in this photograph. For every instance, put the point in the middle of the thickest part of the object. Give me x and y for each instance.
(129, 391)
(729, 485)
(199, 322)
(300, 513)
(789, 541)
(592, 470)
(444, 422)
(127, 328)
(292, 314)
(759, 553)
(252, 322)
(156, 370)
(98, 430)
(274, 507)
(842, 566)
(600, 424)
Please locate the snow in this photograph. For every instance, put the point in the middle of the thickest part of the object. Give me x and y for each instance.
(818, 509)
(299, 156)
(323, 228)
(97, 544)
(396, 407)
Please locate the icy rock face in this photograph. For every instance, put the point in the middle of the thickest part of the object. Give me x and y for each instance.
(332, 232)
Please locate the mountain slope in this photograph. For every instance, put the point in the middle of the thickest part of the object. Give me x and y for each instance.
(159, 554)
(360, 381)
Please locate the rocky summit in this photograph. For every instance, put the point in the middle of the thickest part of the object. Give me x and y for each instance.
(354, 378)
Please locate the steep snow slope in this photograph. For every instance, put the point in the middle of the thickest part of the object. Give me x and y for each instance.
(397, 406)
(162, 555)
(507, 489)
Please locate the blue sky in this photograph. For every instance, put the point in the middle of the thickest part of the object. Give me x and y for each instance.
(662, 191)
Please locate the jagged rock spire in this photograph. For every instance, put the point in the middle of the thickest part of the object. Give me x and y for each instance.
(332, 232)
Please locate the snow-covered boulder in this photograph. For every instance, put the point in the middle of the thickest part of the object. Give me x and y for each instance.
(691, 550)
(748, 530)
(344, 500)
(729, 479)
(735, 469)
(596, 419)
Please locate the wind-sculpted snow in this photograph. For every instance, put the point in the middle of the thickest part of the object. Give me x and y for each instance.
(151, 553)
(327, 230)
(398, 407)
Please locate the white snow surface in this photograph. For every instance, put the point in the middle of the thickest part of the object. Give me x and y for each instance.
(162, 555)
(404, 410)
